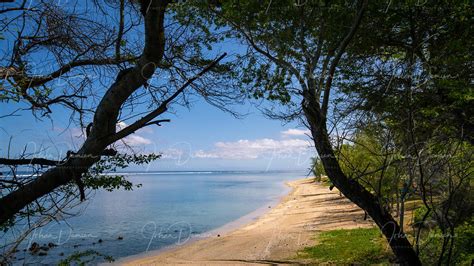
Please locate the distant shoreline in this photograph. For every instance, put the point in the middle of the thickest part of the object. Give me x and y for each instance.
(276, 235)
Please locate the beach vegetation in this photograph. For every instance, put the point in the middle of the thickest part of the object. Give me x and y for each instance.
(349, 246)
(84, 258)
(384, 89)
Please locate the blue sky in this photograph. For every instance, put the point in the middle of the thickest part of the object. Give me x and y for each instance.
(200, 138)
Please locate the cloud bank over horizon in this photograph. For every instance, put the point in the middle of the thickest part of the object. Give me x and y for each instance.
(292, 148)
(254, 149)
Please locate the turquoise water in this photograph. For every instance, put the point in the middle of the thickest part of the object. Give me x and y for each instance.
(169, 208)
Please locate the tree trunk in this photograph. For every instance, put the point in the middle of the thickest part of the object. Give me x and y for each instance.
(398, 199)
(402, 213)
(105, 119)
(355, 192)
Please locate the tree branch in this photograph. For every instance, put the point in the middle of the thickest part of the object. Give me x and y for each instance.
(144, 121)
(104, 123)
(20, 8)
(38, 161)
(340, 51)
(280, 62)
(29, 82)
(118, 43)
(157, 122)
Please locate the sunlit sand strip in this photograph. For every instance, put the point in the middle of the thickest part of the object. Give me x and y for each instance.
(274, 238)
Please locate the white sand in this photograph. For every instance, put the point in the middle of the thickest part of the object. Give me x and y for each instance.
(275, 237)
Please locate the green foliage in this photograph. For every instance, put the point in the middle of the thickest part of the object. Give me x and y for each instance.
(108, 183)
(464, 243)
(97, 178)
(370, 157)
(284, 29)
(429, 80)
(418, 214)
(319, 172)
(361, 245)
(84, 258)
(7, 225)
(406, 74)
(318, 168)
(463, 251)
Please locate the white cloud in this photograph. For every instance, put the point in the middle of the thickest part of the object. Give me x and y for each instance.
(135, 140)
(293, 132)
(131, 140)
(253, 149)
(121, 125)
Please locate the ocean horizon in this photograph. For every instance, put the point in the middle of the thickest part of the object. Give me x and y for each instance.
(169, 209)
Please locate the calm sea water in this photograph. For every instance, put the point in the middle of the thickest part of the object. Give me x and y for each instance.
(170, 208)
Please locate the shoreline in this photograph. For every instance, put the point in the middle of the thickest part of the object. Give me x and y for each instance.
(266, 235)
(226, 228)
(252, 216)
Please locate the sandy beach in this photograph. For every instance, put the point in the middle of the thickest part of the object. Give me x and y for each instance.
(275, 237)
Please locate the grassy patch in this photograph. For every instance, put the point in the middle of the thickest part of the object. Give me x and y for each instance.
(363, 245)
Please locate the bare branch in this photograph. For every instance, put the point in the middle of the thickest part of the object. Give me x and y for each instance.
(120, 31)
(157, 122)
(163, 106)
(30, 82)
(104, 123)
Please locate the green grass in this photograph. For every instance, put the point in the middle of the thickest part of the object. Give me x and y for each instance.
(363, 245)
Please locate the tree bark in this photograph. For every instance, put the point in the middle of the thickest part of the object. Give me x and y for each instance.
(105, 119)
(355, 192)
(37, 161)
(103, 130)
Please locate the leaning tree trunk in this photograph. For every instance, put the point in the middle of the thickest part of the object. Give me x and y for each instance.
(355, 192)
(103, 131)
(105, 119)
